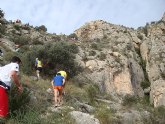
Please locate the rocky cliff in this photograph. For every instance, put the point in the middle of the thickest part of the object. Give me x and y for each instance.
(124, 61)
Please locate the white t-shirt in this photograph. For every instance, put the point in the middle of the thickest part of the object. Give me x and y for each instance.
(5, 72)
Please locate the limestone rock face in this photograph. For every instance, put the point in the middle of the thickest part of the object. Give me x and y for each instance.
(118, 72)
(130, 57)
(158, 92)
(122, 83)
(156, 63)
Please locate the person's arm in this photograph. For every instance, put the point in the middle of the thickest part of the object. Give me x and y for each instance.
(52, 82)
(63, 82)
(15, 79)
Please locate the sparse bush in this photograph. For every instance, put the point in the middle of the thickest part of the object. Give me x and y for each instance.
(97, 40)
(37, 42)
(73, 35)
(21, 40)
(104, 114)
(161, 21)
(76, 94)
(92, 90)
(129, 100)
(105, 36)
(102, 56)
(125, 31)
(146, 82)
(2, 29)
(18, 102)
(145, 30)
(56, 38)
(159, 115)
(129, 46)
(73, 48)
(92, 53)
(163, 75)
(8, 55)
(26, 27)
(95, 46)
(153, 22)
(24, 49)
(1, 13)
(17, 27)
(41, 28)
(31, 116)
(140, 36)
(137, 50)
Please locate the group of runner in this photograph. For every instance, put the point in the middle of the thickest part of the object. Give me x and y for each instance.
(9, 73)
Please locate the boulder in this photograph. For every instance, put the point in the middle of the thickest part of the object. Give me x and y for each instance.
(83, 118)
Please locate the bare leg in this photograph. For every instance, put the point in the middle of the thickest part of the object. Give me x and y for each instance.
(56, 97)
(60, 97)
(38, 74)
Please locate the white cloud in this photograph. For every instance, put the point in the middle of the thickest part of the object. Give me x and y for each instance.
(65, 16)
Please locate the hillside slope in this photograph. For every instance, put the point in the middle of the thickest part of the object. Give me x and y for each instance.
(116, 73)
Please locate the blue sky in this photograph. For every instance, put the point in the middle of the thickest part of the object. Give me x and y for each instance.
(65, 16)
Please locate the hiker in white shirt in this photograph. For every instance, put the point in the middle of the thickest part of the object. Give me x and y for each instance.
(8, 74)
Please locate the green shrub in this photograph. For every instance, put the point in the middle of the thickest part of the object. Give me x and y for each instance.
(1, 13)
(129, 47)
(145, 30)
(105, 36)
(95, 46)
(37, 42)
(73, 35)
(92, 90)
(102, 56)
(24, 49)
(140, 36)
(21, 40)
(73, 48)
(159, 115)
(56, 38)
(77, 93)
(17, 27)
(145, 84)
(125, 31)
(137, 50)
(104, 114)
(26, 27)
(18, 101)
(29, 117)
(59, 55)
(41, 28)
(163, 75)
(129, 100)
(8, 55)
(2, 29)
(92, 53)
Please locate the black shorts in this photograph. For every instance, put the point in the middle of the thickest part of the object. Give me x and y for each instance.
(39, 69)
(2, 84)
